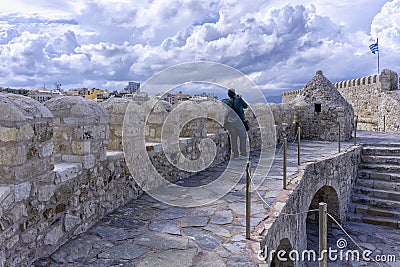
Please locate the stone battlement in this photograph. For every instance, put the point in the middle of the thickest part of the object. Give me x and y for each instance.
(375, 99)
(386, 81)
(62, 165)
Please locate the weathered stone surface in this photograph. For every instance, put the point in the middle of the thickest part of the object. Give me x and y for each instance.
(125, 251)
(53, 236)
(172, 213)
(209, 259)
(235, 247)
(45, 192)
(165, 226)
(218, 230)
(174, 257)
(126, 223)
(205, 240)
(70, 221)
(159, 241)
(22, 191)
(194, 221)
(110, 233)
(222, 217)
(107, 263)
(81, 249)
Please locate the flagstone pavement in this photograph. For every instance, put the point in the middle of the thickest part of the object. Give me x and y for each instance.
(146, 232)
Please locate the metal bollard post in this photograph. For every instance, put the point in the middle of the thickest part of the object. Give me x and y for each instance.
(323, 233)
(355, 130)
(284, 162)
(248, 199)
(340, 133)
(298, 146)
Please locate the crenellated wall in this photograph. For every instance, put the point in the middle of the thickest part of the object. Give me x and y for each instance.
(375, 100)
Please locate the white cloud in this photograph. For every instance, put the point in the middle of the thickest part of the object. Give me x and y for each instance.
(279, 45)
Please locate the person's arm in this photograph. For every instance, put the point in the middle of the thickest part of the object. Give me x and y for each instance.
(243, 103)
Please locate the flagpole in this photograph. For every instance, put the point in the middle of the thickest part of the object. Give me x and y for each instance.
(378, 53)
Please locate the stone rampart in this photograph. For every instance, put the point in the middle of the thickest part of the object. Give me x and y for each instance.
(329, 180)
(62, 167)
(375, 100)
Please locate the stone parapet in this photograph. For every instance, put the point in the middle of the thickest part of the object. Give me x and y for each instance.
(323, 181)
(26, 129)
(116, 107)
(81, 130)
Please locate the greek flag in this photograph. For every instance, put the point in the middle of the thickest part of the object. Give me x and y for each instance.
(374, 48)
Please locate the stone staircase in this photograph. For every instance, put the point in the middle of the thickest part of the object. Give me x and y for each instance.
(376, 194)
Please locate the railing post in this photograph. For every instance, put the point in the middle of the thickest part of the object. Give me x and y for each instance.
(284, 162)
(384, 123)
(248, 199)
(355, 130)
(298, 145)
(339, 139)
(323, 232)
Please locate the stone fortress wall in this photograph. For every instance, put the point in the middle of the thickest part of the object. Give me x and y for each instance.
(62, 167)
(375, 99)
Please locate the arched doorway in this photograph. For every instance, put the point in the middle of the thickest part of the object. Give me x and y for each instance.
(284, 245)
(328, 195)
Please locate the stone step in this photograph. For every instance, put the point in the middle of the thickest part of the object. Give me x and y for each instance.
(375, 202)
(376, 220)
(379, 175)
(383, 194)
(385, 145)
(378, 184)
(381, 151)
(374, 211)
(381, 159)
(381, 166)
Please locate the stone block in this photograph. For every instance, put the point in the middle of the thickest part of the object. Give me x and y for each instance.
(22, 191)
(46, 150)
(4, 192)
(46, 192)
(80, 148)
(70, 222)
(87, 160)
(15, 155)
(53, 236)
(18, 211)
(66, 171)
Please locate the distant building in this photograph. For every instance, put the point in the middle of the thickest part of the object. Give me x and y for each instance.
(138, 98)
(20, 91)
(132, 87)
(42, 95)
(97, 95)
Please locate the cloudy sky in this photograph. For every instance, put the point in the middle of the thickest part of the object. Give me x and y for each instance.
(277, 44)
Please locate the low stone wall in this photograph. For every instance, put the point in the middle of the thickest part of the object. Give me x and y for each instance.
(337, 173)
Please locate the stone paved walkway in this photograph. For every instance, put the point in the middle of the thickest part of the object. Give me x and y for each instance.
(149, 233)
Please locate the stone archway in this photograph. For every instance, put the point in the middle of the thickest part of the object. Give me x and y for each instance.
(328, 195)
(284, 245)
